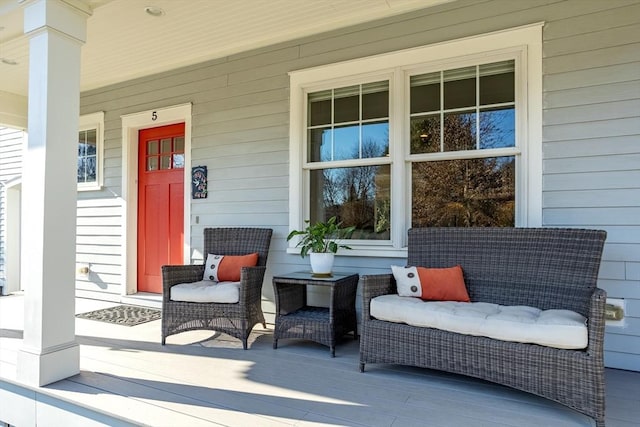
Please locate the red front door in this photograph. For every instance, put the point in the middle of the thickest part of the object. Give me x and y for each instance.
(160, 203)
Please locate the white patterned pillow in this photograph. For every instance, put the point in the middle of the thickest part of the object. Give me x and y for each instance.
(407, 281)
(211, 267)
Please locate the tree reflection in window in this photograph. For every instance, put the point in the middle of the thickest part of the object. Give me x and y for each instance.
(350, 125)
(87, 156)
(464, 193)
(358, 196)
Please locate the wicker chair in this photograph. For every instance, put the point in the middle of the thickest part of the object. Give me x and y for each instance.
(235, 319)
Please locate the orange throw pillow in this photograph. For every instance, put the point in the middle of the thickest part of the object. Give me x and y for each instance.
(226, 268)
(443, 284)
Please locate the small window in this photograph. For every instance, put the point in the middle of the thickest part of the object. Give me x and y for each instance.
(90, 152)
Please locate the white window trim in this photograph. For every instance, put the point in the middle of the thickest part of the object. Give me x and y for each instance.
(523, 42)
(88, 122)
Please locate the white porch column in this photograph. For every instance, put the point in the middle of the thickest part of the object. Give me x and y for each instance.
(57, 30)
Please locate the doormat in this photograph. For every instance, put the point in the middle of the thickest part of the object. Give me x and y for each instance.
(125, 315)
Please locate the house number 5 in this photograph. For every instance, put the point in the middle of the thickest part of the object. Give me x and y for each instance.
(154, 116)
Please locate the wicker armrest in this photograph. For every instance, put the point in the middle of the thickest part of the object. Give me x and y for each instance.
(175, 274)
(373, 286)
(251, 279)
(596, 322)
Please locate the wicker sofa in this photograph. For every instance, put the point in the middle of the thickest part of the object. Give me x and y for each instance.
(547, 268)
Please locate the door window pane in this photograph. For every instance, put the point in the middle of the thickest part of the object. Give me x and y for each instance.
(178, 144)
(152, 163)
(178, 161)
(152, 147)
(358, 196)
(165, 145)
(178, 153)
(464, 193)
(167, 153)
(165, 162)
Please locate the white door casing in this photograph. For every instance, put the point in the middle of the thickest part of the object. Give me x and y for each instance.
(131, 124)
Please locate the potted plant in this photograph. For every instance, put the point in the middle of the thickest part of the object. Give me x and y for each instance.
(320, 241)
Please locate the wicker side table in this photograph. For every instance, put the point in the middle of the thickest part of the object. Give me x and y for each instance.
(296, 319)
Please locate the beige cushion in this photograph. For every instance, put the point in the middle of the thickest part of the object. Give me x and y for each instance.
(206, 291)
(552, 328)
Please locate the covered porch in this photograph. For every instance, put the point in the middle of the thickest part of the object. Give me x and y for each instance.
(199, 378)
(580, 171)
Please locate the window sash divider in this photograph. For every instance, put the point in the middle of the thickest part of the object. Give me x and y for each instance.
(456, 110)
(464, 154)
(355, 122)
(374, 161)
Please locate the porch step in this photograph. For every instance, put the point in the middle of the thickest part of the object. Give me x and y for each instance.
(143, 299)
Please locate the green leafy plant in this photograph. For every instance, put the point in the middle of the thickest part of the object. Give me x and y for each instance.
(322, 237)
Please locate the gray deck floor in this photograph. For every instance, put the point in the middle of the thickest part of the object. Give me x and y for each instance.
(205, 379)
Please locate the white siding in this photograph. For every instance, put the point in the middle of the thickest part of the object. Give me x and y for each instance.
(10, 167)
(240, 104)
(98, 243)
(591, 150)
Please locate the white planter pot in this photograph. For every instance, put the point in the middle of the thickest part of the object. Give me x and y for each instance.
(321, 263)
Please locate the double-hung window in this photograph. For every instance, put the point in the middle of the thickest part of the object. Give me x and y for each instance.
(347, 157)
(90, 152)
(443, 135)
(462, 146)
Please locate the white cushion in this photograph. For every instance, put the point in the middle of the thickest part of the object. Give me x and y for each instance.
(552, 328)
(206, 291)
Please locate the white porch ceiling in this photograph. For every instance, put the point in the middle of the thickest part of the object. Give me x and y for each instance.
(124, 42)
